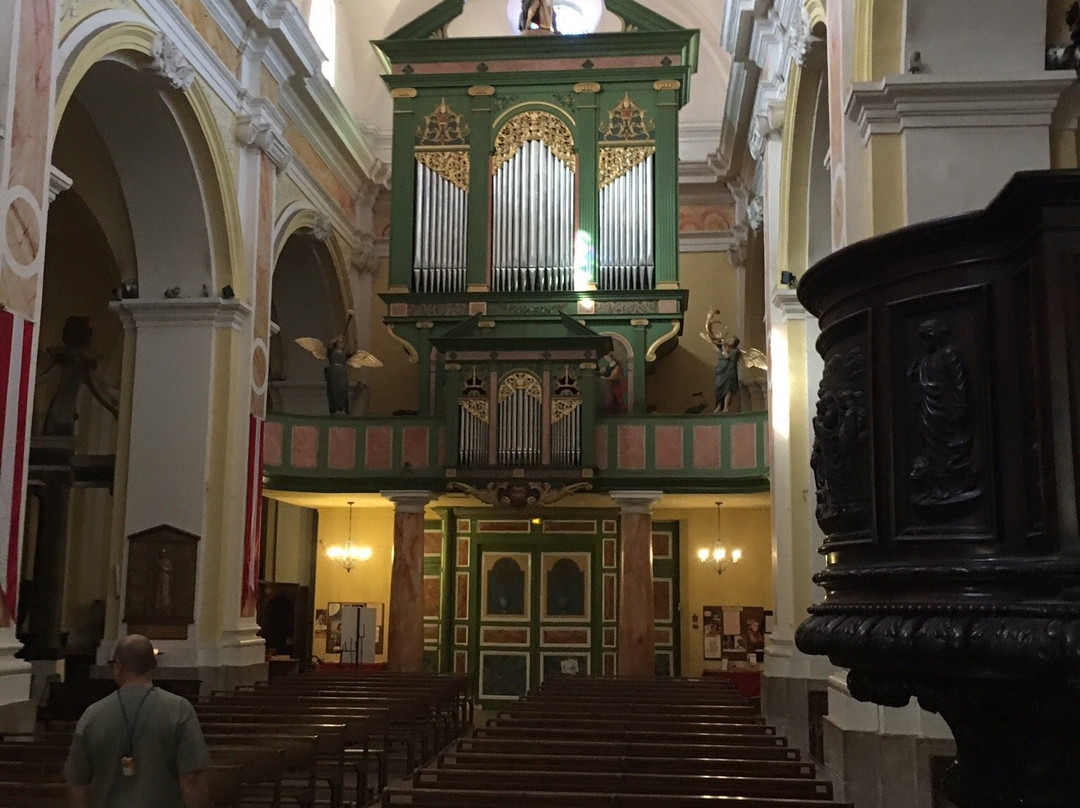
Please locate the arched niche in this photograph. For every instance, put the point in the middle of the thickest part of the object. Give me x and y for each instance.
(306, 302)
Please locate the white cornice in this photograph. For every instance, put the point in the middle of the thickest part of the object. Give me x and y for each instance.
(922, 101)
(192, 312)
(786, 302)
(721, 241)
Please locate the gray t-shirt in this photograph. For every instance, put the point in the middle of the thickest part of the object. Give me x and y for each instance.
(168, 742)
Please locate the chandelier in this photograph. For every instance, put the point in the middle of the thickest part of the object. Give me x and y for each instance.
(348, 555)
(719, 555)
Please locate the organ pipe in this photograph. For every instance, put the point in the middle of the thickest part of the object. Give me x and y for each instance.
(441, 231)
(627, 237)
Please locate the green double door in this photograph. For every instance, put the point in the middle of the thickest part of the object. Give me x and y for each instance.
(538, 597)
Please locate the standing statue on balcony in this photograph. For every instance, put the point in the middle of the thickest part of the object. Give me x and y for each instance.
(727, 364)
(540, 13)
(339, 360)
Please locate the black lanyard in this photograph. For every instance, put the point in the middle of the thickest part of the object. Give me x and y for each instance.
(130, 725)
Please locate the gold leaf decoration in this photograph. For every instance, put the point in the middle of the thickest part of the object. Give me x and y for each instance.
(520, 381)
(562, 407)
(476, 407)
(620, 160)
(452, 166)
(627, 122)
(534, 124)
(443, 127)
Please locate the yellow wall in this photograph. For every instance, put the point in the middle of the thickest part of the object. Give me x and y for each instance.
(393, 386)
(748, 583)
(713, 283)
(368, 582)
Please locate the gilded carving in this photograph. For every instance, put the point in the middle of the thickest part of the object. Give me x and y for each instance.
(562, 407)
(476, 407)
(627, 122)
(403, 92)
(452, 166)
(534, 125)
(667, 84)
(618, 161)
(443, 127)
(520, 381)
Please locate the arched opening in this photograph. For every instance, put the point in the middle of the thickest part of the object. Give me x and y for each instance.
(133, 225)
(306, 302)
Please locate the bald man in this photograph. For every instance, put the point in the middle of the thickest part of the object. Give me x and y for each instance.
(140, 746)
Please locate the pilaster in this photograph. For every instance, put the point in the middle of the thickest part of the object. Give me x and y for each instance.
(481, 100)
(405, 634)
(667, 182)
(637, 645)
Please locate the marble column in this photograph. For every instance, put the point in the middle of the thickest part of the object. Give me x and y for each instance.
(405, 631)
(637, 644)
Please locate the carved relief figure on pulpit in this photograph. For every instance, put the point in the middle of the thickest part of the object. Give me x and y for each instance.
(944, 472)
(540, 13)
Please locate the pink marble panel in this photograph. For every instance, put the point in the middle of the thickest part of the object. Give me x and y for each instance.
(610, 597)
(463, 551)
(305, 447)
(461, 659)
(399, 309)
(463, 525)
(461, 611)
(461, 635)
(609, 664)
(564, 636)
(587, 526)
(631, 443)
(601, 447)
(342, 447)
(504, 636)
(669, 447)
(378, 447)
(273, 443)
(609, 636)
(433, 542)
(414, 447)
(668, 307)
(744, 446)
(610, 553)
(431, 633)
(504, 526)
(610, 526)
(662, 635)
(706, 447)
(661, 544)
(662, 600)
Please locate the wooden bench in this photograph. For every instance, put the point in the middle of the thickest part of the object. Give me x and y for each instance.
(627, 749)
(623, 782)
(479, 798)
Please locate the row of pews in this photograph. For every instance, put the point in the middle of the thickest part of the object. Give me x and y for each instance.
(313, 740)
(620, 743)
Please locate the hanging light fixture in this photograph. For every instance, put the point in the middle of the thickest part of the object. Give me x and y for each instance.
(719, 555)
(348, 555)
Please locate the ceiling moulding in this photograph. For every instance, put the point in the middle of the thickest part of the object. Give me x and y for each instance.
(925, 101)
(289, 52)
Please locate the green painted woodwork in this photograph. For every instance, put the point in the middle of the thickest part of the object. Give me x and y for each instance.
(667, 189)
(403, 200)
(733, 434)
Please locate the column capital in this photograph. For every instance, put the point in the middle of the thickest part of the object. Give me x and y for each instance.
(407, 501)
(636, 501)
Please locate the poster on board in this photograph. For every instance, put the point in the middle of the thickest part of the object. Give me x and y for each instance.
(734, 633)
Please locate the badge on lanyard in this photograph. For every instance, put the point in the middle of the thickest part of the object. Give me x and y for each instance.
(127, 765)
(127, 762)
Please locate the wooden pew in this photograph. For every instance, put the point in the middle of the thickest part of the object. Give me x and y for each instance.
(623, 782)
(630, 749)
(479, 798)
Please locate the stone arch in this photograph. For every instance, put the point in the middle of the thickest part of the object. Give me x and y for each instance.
(123, 38)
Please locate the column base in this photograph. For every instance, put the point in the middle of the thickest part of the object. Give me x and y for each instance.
(17, 709)
(789, 681)
(883, 757)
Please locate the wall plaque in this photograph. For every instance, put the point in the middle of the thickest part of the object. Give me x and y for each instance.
(160, 598)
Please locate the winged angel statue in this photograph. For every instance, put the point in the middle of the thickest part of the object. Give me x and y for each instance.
(731, 357)
(339, 360)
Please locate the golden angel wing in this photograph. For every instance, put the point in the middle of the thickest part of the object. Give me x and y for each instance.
(362, 359)
(316, 346)
(753, 358)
